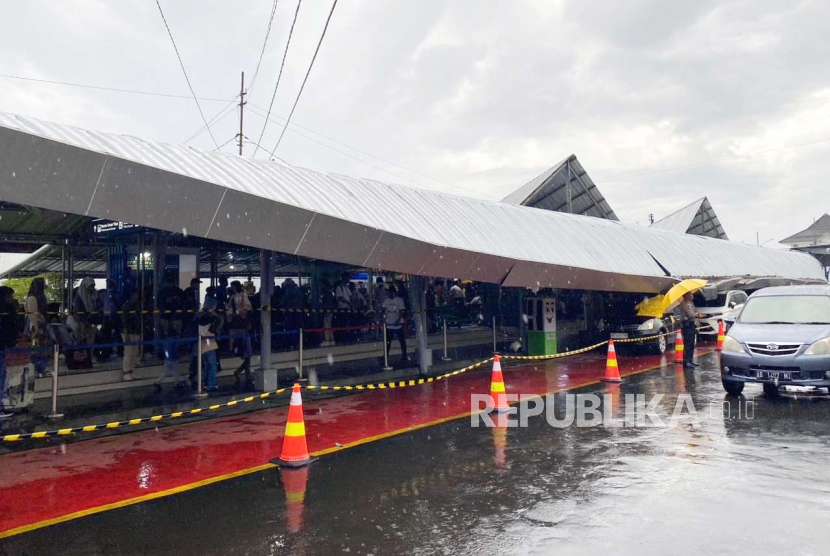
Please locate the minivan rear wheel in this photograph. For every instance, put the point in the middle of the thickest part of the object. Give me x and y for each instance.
(770, 389)
(659, 345)
(733, 387)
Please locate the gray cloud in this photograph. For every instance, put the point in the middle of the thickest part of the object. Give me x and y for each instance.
(482, 95)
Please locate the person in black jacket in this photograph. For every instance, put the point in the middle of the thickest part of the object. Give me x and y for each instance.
(8, 337)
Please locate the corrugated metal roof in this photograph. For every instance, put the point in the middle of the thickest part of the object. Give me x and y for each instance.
(354, 221)
(549, 191)
(697, 218)
(814, 233)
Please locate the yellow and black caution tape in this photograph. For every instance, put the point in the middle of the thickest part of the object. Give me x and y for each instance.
(388, 385)
(133, 422)
(553, 356)
(188, 413)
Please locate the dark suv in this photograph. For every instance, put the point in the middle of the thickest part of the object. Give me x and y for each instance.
(782, 337)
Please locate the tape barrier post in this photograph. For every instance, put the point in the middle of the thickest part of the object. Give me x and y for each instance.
(300, 362)
(199, 392)
(386, 366)
(495, 342)
(446, 357)
(55, 367)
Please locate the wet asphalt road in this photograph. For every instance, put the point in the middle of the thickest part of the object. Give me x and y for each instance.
(732, 486)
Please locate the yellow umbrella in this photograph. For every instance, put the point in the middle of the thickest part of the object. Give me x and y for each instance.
(677, 291)
(651, 307)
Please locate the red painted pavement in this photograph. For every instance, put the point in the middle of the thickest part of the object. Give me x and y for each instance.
(52, 482)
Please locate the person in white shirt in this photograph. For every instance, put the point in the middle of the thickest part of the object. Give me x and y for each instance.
(393, 309)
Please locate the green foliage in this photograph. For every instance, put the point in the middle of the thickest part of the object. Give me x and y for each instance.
(21, 287)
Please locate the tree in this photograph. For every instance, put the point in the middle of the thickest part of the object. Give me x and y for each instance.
(21, 287)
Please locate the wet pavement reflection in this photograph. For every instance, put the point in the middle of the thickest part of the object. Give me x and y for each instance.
(735, 485)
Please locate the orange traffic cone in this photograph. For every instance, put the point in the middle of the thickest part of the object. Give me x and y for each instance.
(497, 391)
(679, 349)
(612, 370)
(721, 335)
(294, 481)
(294, 447)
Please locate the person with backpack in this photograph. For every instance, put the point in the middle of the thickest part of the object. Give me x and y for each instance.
(8, 337)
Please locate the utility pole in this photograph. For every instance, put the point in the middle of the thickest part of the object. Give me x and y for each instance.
(241, 110)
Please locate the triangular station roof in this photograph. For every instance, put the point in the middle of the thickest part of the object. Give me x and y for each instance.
(549, 191)
(697, 218)
(816, 234)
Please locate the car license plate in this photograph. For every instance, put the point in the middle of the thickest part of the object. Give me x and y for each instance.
(774, 375)
(619, 336)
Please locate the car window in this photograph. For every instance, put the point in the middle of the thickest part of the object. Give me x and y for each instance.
(788, 309)
(738, 298)
(719, 301)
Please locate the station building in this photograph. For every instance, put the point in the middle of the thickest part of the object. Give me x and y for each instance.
(87, 203)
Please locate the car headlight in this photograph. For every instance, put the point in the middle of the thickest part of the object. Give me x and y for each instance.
(822, 347)
(648, 325)
(732, 345)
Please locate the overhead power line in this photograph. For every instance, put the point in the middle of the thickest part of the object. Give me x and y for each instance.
(305, 79)
(186, 78)
(264, 44)
(279, 77)
(219, 147)
(221, 115)
(110, 89)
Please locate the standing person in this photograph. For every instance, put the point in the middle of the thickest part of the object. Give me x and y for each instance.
(88, 310)
(239, 315)
(432, 325)
(291, 306)
(377, 304)
(393, 309)
(171, 363)
(209, 324)
(192, 300)
(222, 293)
(687, 313)
(343, 297)
(171, 305)
(35, 327)
(358, 310)
(329, 306)
(241, 309)
(109, 323)
(8, 337)
(131, 315)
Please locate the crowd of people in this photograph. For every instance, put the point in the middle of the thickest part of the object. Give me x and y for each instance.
(117, 321)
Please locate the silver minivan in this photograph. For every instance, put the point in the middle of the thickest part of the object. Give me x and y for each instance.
(781, 337)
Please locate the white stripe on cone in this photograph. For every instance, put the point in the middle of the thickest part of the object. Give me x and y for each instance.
(296, 399)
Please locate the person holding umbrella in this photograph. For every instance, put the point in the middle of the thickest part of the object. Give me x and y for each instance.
(687, 315)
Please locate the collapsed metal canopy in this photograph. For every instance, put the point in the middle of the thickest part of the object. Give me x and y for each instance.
(353, 221)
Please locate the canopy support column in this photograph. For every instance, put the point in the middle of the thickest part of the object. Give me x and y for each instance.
(417, 292)
(266, 290)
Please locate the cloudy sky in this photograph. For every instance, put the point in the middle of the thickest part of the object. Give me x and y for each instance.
(663, 102)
